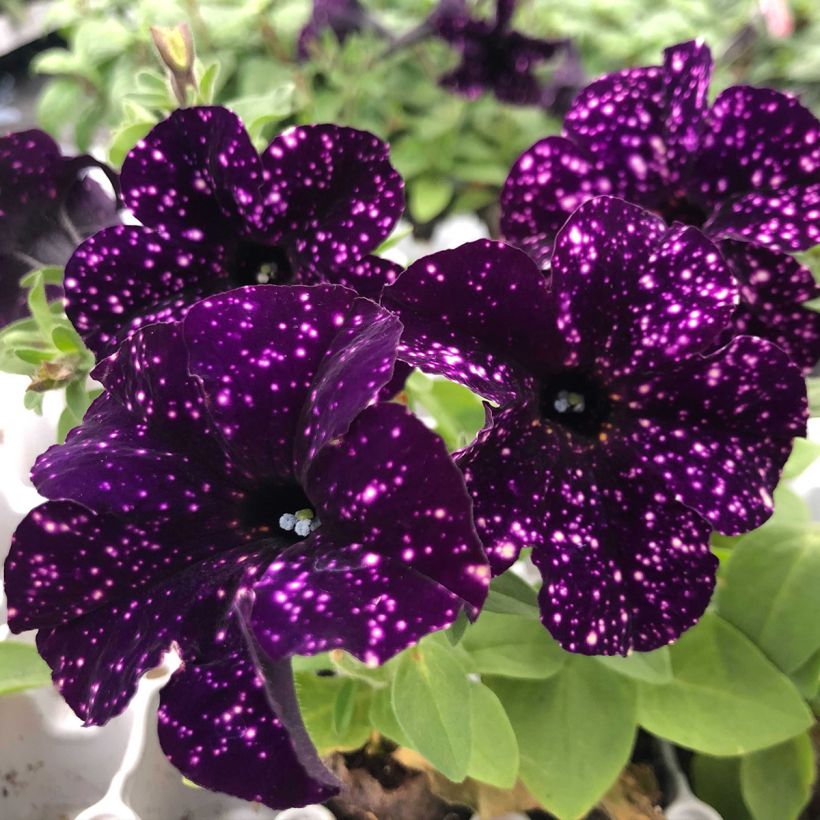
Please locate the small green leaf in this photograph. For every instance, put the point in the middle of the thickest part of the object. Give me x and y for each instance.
(456, 632)
(33, 401)
(512, 646)
(769, 591)
(494, 758)
(66, 339)
(125, 138)
(383, 718)
(804, 454)
(776, 783)
(343, 708)
(807, 677)
(333, 726)
(726, 698)
(716, 781)
(21, 668)
(652, 667)
(575, 732)
(428, 196)
(431, 699)
(207, 84)
(511, 595)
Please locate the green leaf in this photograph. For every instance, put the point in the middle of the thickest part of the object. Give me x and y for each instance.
(716, 781)
(207, 84)
(332, 725)
(456, 632)
(813, 386)
(575, 733)
(343, 708)
(776, 783)
(428, 196)
(726, 698)
(770, 591)
(125, 138)
(456, 413)
(652, 667)
(494, 758)
(21, 668)
(66, 423)
(383, 718)
(431, 699)
(803, 455)
(512, 646)
(511, 595)
(59, 103)
(33, 401)
(807, 677)
(66, 339)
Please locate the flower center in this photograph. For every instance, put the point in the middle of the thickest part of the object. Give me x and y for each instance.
(681, 209)
(279, 509)
(258, 264)
(575, 400)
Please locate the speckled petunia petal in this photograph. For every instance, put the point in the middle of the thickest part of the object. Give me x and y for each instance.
(787, 219)
(626, 567)
(257, 351)
(546, 184)
(509, 497)
(367, 276)
(195, 174)
(221, 724)
(632, 294)
(391, 486)
(687, 71)
(357, 364)
(127, 276)
(619, 120)
(757, 140)
(330, 194)
(329, 595)
(697, 428)
(98, 659)
(773, 288)
(478, 315)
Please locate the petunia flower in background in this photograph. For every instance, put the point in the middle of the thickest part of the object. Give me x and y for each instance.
(494, 57)
(342, 17)
(48, 205)
(216, 215)
(236, 493)
(613, 447)
(746, 170)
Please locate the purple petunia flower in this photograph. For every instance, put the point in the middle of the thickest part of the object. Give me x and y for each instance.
(493, 57)
(342, 17)
(216, 215)
(746, 170)
(614, 447)
(235, 493)
(47, 206)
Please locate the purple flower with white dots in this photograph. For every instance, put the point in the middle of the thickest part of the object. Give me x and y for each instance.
(745, 169)
(236, 493)
(342, 17)
(614, 446)
(216, 215)
(494, 57)
(48, 205)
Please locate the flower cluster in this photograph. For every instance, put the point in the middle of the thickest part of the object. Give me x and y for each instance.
(745, 169)
(241, 490)
(47, 205)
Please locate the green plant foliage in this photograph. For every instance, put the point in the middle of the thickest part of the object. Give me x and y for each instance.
(21, 668)
(776, 783)
(770, 592)
(575, 732)
(652, 667)
(716, 780)
(725, 698)
(431, 698)
(494, 756)
(511, 595)
(335, 710)
(512, 646)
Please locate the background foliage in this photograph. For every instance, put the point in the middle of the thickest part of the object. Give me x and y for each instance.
(495, 704)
